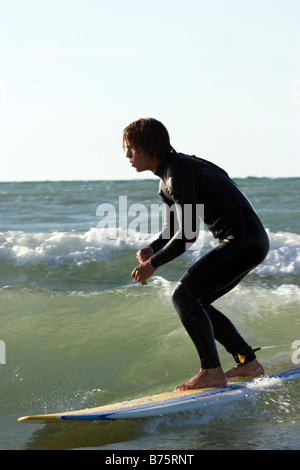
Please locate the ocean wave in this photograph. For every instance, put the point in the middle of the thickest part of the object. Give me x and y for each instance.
(284, 255)
(102, 245)
(57, 248)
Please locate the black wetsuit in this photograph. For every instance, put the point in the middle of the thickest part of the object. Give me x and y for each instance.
(187, 180)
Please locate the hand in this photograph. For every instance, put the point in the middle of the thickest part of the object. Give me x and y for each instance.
(144, 254)
(142, 272)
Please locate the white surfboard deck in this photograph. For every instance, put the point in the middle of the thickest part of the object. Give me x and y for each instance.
(168, 402)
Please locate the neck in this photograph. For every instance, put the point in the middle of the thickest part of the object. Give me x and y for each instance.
(154, 165)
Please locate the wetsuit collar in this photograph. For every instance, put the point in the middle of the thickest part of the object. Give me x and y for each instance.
(160, 170)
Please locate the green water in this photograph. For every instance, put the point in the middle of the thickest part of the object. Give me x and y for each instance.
(78, 331)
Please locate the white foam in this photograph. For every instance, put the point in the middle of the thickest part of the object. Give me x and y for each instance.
(101, 244)
(57, 248)
(260, 301)
(261, 383)
(284, 255)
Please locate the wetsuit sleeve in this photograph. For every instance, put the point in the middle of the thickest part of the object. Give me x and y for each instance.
(168, 227)
(181, 226)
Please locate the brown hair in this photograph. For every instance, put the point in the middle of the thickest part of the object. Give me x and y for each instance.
(150, 136)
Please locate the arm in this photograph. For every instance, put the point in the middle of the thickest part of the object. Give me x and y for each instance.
(185, 226)
(181, 228)
(168, 229)
(145, 269)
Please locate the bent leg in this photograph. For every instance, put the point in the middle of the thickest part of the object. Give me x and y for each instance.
(211, 277)
(199, 328)
(227, 335)
(197, 324)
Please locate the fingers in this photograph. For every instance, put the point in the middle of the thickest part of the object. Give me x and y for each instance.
(144, 270)
(137, 276)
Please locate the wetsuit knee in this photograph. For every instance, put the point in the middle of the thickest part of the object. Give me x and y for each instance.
(178, 294)
(197, 324)
(182, 300)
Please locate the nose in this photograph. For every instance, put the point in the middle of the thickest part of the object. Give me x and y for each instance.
(128, 153)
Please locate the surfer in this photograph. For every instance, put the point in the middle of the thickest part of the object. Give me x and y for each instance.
(187, 182)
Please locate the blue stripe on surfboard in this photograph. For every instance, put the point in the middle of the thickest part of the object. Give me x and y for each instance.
(173, 402)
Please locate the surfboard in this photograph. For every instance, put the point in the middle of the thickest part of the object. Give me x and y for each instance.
(167, 402)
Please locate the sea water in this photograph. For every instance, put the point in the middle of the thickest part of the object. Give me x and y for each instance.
(77, 331)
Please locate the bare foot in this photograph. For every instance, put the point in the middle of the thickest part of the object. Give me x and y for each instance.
(252, 369)
(205, 378)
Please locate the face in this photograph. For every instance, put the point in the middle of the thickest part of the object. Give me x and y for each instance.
(139, 160)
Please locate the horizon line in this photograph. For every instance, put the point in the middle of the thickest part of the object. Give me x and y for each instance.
(129, 179)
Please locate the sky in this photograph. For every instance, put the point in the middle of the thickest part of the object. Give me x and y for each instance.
(222, 75)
